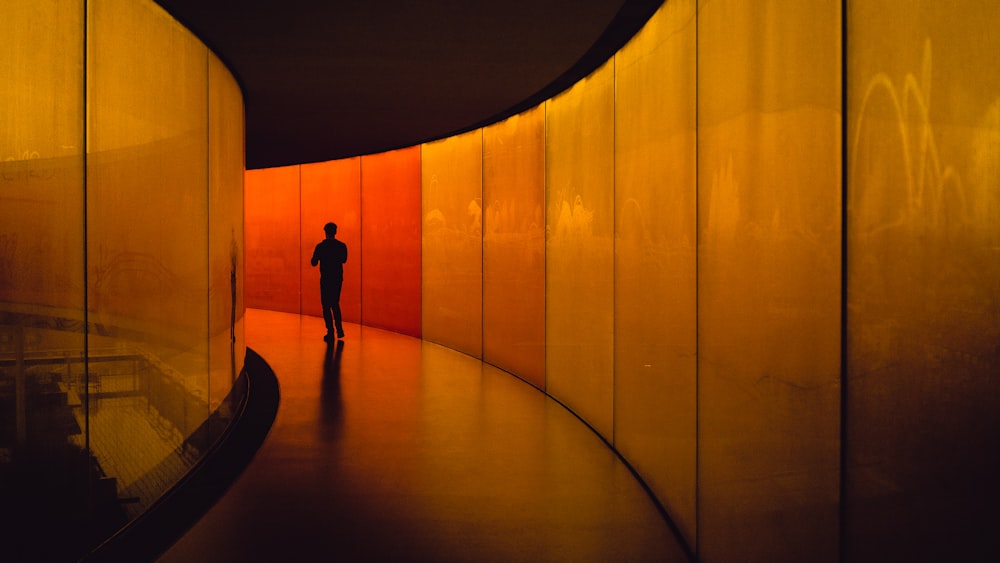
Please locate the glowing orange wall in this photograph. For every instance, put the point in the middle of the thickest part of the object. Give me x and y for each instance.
(666, 249)
(452, 242)
(655, 270)
(390, 233)
(768, 280)
(273, 247)
(375, 202)
(579, 248)
(923, 280)
(331, 192)
(514, 245)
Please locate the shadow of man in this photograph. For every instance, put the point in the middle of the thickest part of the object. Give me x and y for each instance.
(331, 404)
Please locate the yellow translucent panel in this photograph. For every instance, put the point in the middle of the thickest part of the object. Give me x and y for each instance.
(655, 261)
(452, 243)
(331, 192)
(147, 234)
(769, 280)
(579, 250)
(514, 245)
(226, 251)
(923, 280)
(273, 245)
(42, 295)
(41, 156)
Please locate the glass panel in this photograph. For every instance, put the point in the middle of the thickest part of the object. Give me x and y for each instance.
(513, 245)
(41, 155)
(769, 280)
(226, 260)
(390, 227)
(273, 260)
(147, 243)
(452, 248)
(331, 192)
(44, 479)
(579, 251)
(655, 261)
(923, 278)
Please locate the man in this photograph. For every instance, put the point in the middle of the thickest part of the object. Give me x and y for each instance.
(331, 254)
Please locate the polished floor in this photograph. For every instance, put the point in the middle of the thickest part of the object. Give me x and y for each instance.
(388, 448)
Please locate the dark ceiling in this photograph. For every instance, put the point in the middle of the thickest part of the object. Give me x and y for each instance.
(327, 79)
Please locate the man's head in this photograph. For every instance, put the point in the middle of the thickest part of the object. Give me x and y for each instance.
(331, 229)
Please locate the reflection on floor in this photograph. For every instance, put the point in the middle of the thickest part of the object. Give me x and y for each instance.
(388, 448)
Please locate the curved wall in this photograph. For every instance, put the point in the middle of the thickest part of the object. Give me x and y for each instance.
(121, 262)
(752, 251)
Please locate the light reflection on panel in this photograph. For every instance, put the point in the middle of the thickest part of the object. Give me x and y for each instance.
(152, 269)
(390, 226)
(41, 155)
(331, 192)
(147, 234)
(273, 262)
(579, 250)
(769, 280)
(226, 252)
(42, 295)
(514, 245)
(655, 261)
(923, 278)
(452, 244)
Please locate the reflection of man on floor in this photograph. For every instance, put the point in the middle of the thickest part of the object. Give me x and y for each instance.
(331, 254)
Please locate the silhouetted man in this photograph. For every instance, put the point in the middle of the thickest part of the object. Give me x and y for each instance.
(331, 254)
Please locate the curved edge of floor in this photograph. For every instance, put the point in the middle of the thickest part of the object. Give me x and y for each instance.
(152, 533)
(657, 503)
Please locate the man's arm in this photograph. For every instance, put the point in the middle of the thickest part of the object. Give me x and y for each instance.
(315, 258)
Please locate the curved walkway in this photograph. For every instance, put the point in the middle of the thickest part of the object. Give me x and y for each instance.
(388, 448)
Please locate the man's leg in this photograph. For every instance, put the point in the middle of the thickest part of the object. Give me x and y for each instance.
(335, 305)
(324, 298)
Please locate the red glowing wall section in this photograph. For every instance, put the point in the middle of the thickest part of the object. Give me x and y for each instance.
(390, 231)
(331, 192)
(272, 228)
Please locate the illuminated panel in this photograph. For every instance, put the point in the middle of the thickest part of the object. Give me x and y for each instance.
(41, 156)
(514, 245)
(655, 260)
(226, 249)
(579, 250)
(273, 260)
(146, 176)
(768, 280)
(331, 192)
(923, 278)
(41, 234)
(452, 243)
(390, 234)
(147, 228)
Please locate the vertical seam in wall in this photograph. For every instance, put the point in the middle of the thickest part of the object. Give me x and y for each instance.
(420, 230)
(298, 268)
(697, 287)
(361, 242)
(208, 225)
(482, 243)
(420, 233)
(842, 509)
(545, 247)
(614, 232)
(86, 242)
